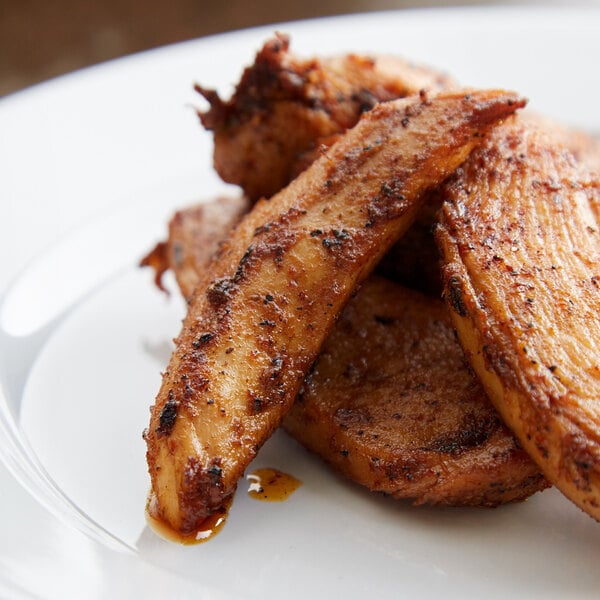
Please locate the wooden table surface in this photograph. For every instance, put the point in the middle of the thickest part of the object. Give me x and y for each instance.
(40, 39)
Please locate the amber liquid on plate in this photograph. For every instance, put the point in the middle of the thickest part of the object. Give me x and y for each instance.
(207, 530)
(271, 485)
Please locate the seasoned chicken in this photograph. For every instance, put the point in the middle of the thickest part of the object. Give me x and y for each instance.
(259, 316)
(392, 405)
(195, 235)
(284, 107)
(414, 260)
(520, 239)
(390, 402)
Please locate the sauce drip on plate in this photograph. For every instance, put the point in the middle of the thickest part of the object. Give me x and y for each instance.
(207, 530)
(271, 485)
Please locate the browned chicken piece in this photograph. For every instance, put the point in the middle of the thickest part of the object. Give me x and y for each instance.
(195, 235)
(259, 316)
(414, 260)
(521, 246)
(192, 243)
(584, 147)
(284, 107)
(390, 402)
(195, 232)
(392, 405)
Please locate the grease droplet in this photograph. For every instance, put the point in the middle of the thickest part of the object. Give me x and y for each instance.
(271, 485)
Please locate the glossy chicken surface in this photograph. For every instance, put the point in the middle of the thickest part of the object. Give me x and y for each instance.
(520, 238)
(285, 107)
(258, 318)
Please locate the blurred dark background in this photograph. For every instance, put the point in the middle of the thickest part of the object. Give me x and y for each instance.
(40, 39)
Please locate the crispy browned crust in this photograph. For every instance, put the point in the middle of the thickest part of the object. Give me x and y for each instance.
(284, 107)
(414, 260)
(392, 405)
(158, 260)
(195, 234)
(521, 247)
(259, 317)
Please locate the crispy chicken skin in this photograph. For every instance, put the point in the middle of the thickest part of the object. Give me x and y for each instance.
(392, 405)
(258, 318)
(284, 107)
(519, 235)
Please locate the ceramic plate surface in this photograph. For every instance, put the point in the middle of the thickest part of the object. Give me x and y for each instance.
(92, 165)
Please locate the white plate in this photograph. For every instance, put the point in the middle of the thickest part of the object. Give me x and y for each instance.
(91, 166)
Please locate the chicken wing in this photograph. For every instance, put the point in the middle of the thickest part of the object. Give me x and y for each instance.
(520, 239)
(391, 404)
(284, 107)
(259, 316)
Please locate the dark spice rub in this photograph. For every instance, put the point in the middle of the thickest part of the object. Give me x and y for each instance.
(310, 285)
(392, 405)
(440, 431)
